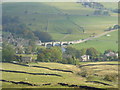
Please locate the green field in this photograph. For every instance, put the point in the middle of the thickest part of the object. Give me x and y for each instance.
(102, 43)
(67, 77)
(60, 18)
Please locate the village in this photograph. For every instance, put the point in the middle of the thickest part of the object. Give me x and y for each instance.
(24, 56)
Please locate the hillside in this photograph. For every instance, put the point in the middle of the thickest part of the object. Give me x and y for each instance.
(64, 21)
(102, 43)
(59, 75)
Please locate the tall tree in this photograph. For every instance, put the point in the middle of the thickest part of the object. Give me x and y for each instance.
(92, 52)
(8, 52)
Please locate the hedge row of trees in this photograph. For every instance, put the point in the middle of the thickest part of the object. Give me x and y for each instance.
(71, 55)
(55, 54)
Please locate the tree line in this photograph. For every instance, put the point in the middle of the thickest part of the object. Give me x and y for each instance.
(55, 54)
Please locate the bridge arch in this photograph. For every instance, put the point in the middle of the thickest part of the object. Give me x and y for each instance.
(57, 44)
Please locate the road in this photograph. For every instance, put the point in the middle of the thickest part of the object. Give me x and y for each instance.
(97, 36)
(79, 41)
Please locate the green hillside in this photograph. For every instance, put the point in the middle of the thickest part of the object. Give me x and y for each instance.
(66, 77)
(62, 20)
(102, 43)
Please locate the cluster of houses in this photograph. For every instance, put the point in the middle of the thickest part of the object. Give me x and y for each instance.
(15, 41)
(20, 42)
(109, 54)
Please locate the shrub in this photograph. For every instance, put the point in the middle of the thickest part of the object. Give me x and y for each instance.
(85, 72)
(111, 77)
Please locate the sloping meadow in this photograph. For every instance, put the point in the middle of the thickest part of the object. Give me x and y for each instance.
(54, 75)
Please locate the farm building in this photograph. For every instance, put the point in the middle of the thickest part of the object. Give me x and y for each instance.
(85, 57)
(111, 54)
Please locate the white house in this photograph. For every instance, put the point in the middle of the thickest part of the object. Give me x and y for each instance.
(85, 57)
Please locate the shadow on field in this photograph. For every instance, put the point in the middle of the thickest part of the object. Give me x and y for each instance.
(62, 84)
(99, 82)
(96, 64)
(21, 82)
(31, 73)
(71, 87)
(44, 67)
(80, 87)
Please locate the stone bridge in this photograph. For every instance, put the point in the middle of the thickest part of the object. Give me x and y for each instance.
(57, 43)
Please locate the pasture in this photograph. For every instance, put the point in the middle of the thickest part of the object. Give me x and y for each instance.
(62, 20)
(102, 43)
(10, 73)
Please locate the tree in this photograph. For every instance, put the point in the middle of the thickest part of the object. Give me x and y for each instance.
(56, 54)
(116, 27)
(109, 50)
(72, 51)
(43, 36)
(92, 52)
(8, 52)
(53, 54)
(83, 51)
(116, 10)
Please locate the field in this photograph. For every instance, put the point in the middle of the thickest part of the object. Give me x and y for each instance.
(71, 78)
(62, 20)
(102, 43)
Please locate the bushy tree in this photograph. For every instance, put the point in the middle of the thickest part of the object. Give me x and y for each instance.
(72, 51)
(92, 52)
(43, 36)
(53, 54)
(8, 52)
(83, 51)
(109, 50)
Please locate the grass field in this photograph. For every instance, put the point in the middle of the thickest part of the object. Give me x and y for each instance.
(67, 77)
(102, 43)
(60, 18)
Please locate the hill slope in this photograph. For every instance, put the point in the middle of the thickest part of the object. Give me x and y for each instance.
(60, 19)
(27, 74)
